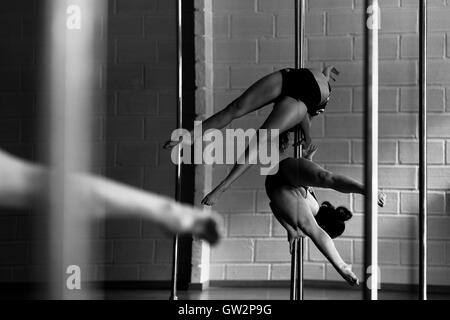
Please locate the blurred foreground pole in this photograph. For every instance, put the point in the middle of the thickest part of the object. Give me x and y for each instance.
(74, 42)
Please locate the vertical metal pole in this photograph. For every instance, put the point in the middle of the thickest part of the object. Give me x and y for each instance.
(294, 269)
(300, 269)
(371, 27)
(299, 63)
(299, 33)
(423, 151)
(173, 295)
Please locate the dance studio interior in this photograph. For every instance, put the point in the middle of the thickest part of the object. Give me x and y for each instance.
(102, 197)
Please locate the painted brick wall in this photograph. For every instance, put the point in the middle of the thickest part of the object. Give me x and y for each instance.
(18, 104)
(142, 84)
(255, 37)
(139, 80)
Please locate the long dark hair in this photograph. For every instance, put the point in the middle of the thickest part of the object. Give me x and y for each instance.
(285, 138)
(284, 141)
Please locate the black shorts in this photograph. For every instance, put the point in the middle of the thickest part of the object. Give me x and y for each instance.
(301, 85)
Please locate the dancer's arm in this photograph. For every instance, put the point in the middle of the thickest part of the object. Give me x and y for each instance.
(112, 198)
(22, 183)
(305, 125)
(326, 245)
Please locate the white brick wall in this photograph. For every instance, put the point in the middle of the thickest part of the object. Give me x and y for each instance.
(254, 37)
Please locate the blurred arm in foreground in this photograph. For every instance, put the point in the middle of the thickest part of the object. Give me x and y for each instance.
(23, 183)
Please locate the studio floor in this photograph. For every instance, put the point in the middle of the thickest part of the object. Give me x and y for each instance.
(263, 294)
(230, 293)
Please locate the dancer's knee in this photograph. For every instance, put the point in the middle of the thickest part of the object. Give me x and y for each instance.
(236, 109)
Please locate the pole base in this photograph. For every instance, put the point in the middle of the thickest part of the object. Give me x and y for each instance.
(297, 270)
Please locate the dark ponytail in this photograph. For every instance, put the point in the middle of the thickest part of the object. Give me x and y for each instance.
(332, 219)
(343, 214)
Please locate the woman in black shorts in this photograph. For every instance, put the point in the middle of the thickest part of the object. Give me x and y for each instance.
(297, 94)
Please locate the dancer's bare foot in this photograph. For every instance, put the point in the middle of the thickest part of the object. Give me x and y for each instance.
(212, 197)
(349, 276)
(330, 72)
(171, 144)
(382, 199)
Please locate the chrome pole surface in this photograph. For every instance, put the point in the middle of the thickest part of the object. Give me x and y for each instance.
(423, 150)
(173, 295)
(300, 269)
(371, 83)
(294, 269)
(299, 63)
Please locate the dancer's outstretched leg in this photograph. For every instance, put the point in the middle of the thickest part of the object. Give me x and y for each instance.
(260, 94)
(286, 114)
